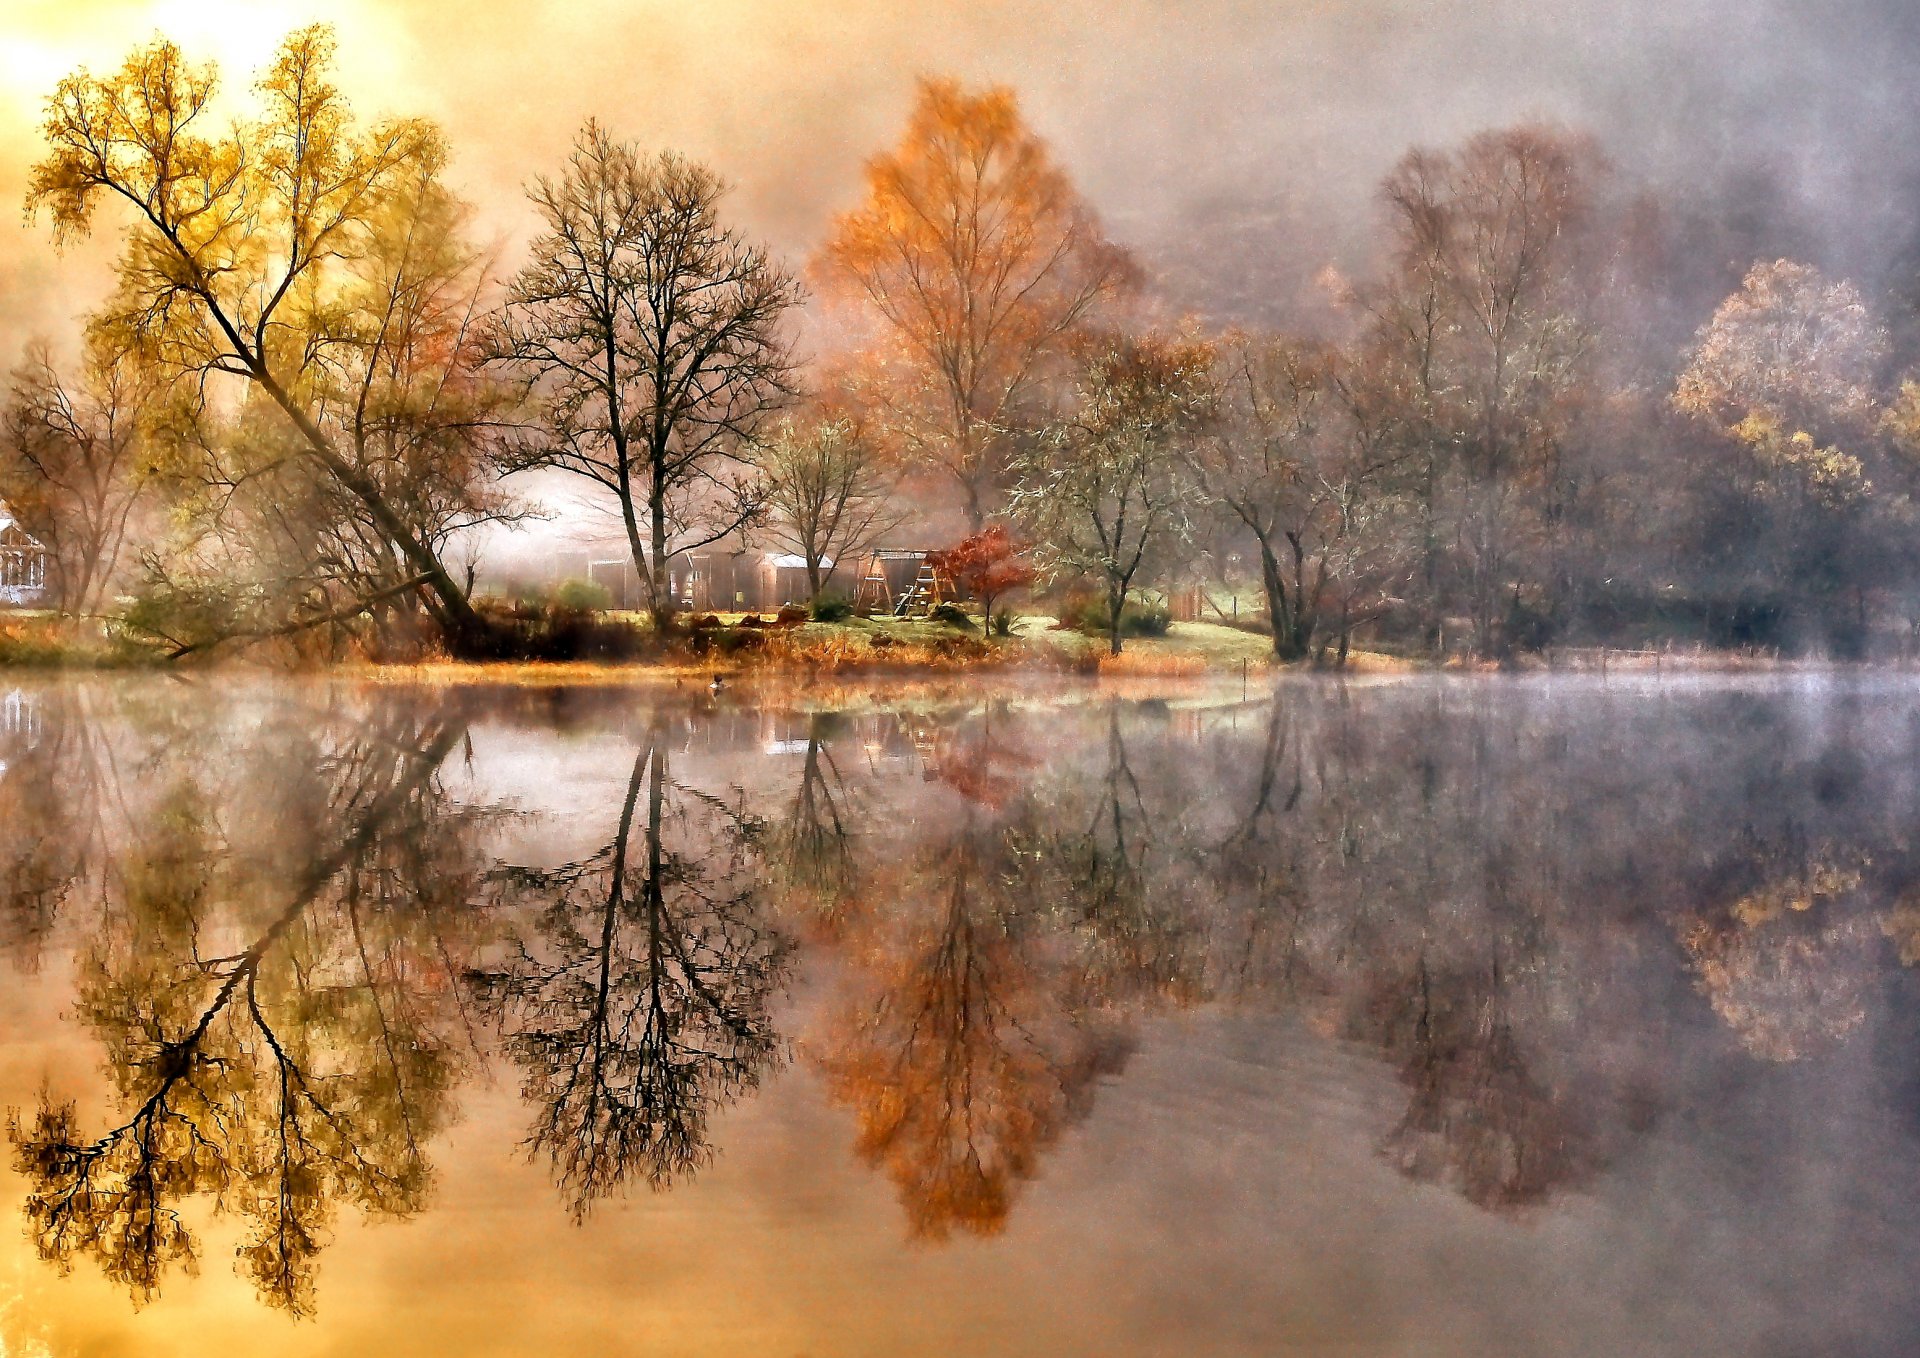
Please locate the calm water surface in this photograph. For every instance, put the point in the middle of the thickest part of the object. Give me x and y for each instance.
(1432, 1018)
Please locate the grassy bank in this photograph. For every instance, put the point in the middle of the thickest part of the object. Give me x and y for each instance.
(855, 646)
(36, 640)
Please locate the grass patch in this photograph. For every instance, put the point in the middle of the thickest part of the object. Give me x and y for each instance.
(38, 640)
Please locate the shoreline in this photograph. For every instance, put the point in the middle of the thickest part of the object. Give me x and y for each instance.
(913, 652)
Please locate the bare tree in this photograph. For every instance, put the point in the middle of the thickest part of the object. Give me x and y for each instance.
(1296, 460)
(1107, 491)
(829, 493)
(1484, 322)
(652, 332)
(75, 463)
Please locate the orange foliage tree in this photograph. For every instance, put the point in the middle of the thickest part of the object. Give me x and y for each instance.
(974, 258)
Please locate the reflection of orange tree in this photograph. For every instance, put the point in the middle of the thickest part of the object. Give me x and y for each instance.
(641, 1003)
(961, 1052)
(303, 1069)
(1786, 965)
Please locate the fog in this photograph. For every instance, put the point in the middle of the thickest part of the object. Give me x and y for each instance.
(1236, 144)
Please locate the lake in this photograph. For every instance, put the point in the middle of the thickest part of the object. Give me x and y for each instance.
(1424, 1017)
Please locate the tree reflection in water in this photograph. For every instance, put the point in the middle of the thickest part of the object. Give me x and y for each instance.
(962, 1049)
(305, 1067)
(297, 943)
(639, 1003)
(49, 804)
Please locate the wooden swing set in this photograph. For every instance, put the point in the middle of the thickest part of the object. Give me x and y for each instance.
(877, 591)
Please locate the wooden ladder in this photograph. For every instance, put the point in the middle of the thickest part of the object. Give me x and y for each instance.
(921, 593)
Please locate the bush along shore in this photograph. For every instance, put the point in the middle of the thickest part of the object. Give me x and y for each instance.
(568, 640)
(557, 636)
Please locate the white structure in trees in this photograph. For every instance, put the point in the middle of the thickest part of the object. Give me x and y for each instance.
(23, 565)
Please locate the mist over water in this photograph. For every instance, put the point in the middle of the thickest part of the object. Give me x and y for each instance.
(1557, 1016)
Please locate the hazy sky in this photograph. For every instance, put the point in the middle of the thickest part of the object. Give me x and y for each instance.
(1279, 114)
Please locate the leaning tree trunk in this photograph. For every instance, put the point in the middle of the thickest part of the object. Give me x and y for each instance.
(642, 567)
(465, 628)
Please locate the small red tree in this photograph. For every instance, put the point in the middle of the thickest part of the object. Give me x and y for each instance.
(986, 565)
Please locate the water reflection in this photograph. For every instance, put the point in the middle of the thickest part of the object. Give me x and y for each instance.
(272, 1025)
(301, 925)
(638, 998)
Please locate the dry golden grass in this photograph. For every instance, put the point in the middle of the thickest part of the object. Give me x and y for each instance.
(39, 640)
(818, 648)
(1153, 664)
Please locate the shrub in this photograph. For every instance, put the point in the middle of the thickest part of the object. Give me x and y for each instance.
(790, 615)
(952, 615)
(1004, 623)
(832, 608)
(1145, 620)
(582, 596)
(1136, 619)
(556, 632)
(725, 641)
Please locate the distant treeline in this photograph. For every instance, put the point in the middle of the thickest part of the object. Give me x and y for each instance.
(310, 391)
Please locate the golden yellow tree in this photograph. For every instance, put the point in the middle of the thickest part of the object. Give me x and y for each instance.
(974, 258)
(243, 251)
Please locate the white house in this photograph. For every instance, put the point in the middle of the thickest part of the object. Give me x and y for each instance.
(23, 565)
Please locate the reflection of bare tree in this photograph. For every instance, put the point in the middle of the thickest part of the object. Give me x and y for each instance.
(812, 848)
(964, 1059)
(1370, 873)
(1478, 1118)
(642, 1004)
(279, 1079)
(49, 791)
(1133, 892)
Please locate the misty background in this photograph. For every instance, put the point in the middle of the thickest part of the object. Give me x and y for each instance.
(1235, 146)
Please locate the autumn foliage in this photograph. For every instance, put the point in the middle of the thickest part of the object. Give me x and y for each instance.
(973, 260)
(986, 565)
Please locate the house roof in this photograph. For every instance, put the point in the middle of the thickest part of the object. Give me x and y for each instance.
(8, 523)
(788, 562)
